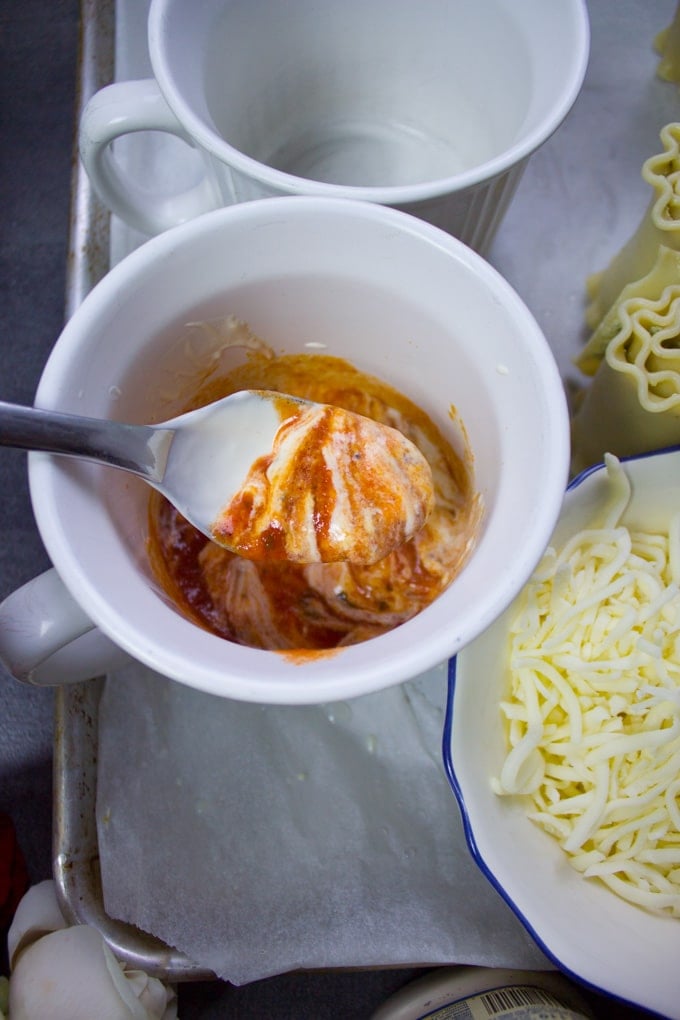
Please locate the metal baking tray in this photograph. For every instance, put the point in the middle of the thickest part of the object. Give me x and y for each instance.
(74, 839)
(75, 847)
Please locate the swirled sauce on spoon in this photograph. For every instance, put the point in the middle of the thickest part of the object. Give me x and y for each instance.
(336, 486)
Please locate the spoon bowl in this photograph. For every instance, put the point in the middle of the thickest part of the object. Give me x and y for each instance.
(238, 469)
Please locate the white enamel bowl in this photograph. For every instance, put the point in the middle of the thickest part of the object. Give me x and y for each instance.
(583, 927)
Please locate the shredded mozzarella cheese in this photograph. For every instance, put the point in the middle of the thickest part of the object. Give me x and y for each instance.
(593, 714)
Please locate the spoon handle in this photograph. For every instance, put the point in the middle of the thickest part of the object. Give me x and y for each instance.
(136, 448)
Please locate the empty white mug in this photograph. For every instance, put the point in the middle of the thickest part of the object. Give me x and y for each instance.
(431, 107)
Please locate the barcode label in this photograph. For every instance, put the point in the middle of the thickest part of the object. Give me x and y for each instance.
(518, 1002)
(503, 999)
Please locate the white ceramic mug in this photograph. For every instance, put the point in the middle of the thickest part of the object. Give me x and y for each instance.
(431, 107)
(400, 300)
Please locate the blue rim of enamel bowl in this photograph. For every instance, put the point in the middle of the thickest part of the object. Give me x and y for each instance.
(458, 793)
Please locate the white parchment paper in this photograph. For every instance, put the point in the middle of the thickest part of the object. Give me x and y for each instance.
(262, 839)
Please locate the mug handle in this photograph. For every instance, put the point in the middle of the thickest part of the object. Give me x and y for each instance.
(125, 108)
(46, 639)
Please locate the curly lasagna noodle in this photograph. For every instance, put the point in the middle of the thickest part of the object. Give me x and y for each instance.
(633, 403)
(660, 225)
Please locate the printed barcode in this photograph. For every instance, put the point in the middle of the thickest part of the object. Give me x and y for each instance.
(508, 998)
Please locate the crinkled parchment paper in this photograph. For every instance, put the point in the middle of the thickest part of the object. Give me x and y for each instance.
(262, 839)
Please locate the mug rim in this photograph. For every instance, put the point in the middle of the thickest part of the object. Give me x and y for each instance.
(259, 675)
(391, 195)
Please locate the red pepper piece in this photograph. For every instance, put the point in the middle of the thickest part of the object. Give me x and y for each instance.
(14, 880)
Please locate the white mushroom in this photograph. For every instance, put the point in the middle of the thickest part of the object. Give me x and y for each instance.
(69, 973)
(38, 914)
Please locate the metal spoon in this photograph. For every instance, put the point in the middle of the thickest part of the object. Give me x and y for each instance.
(201, 460)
